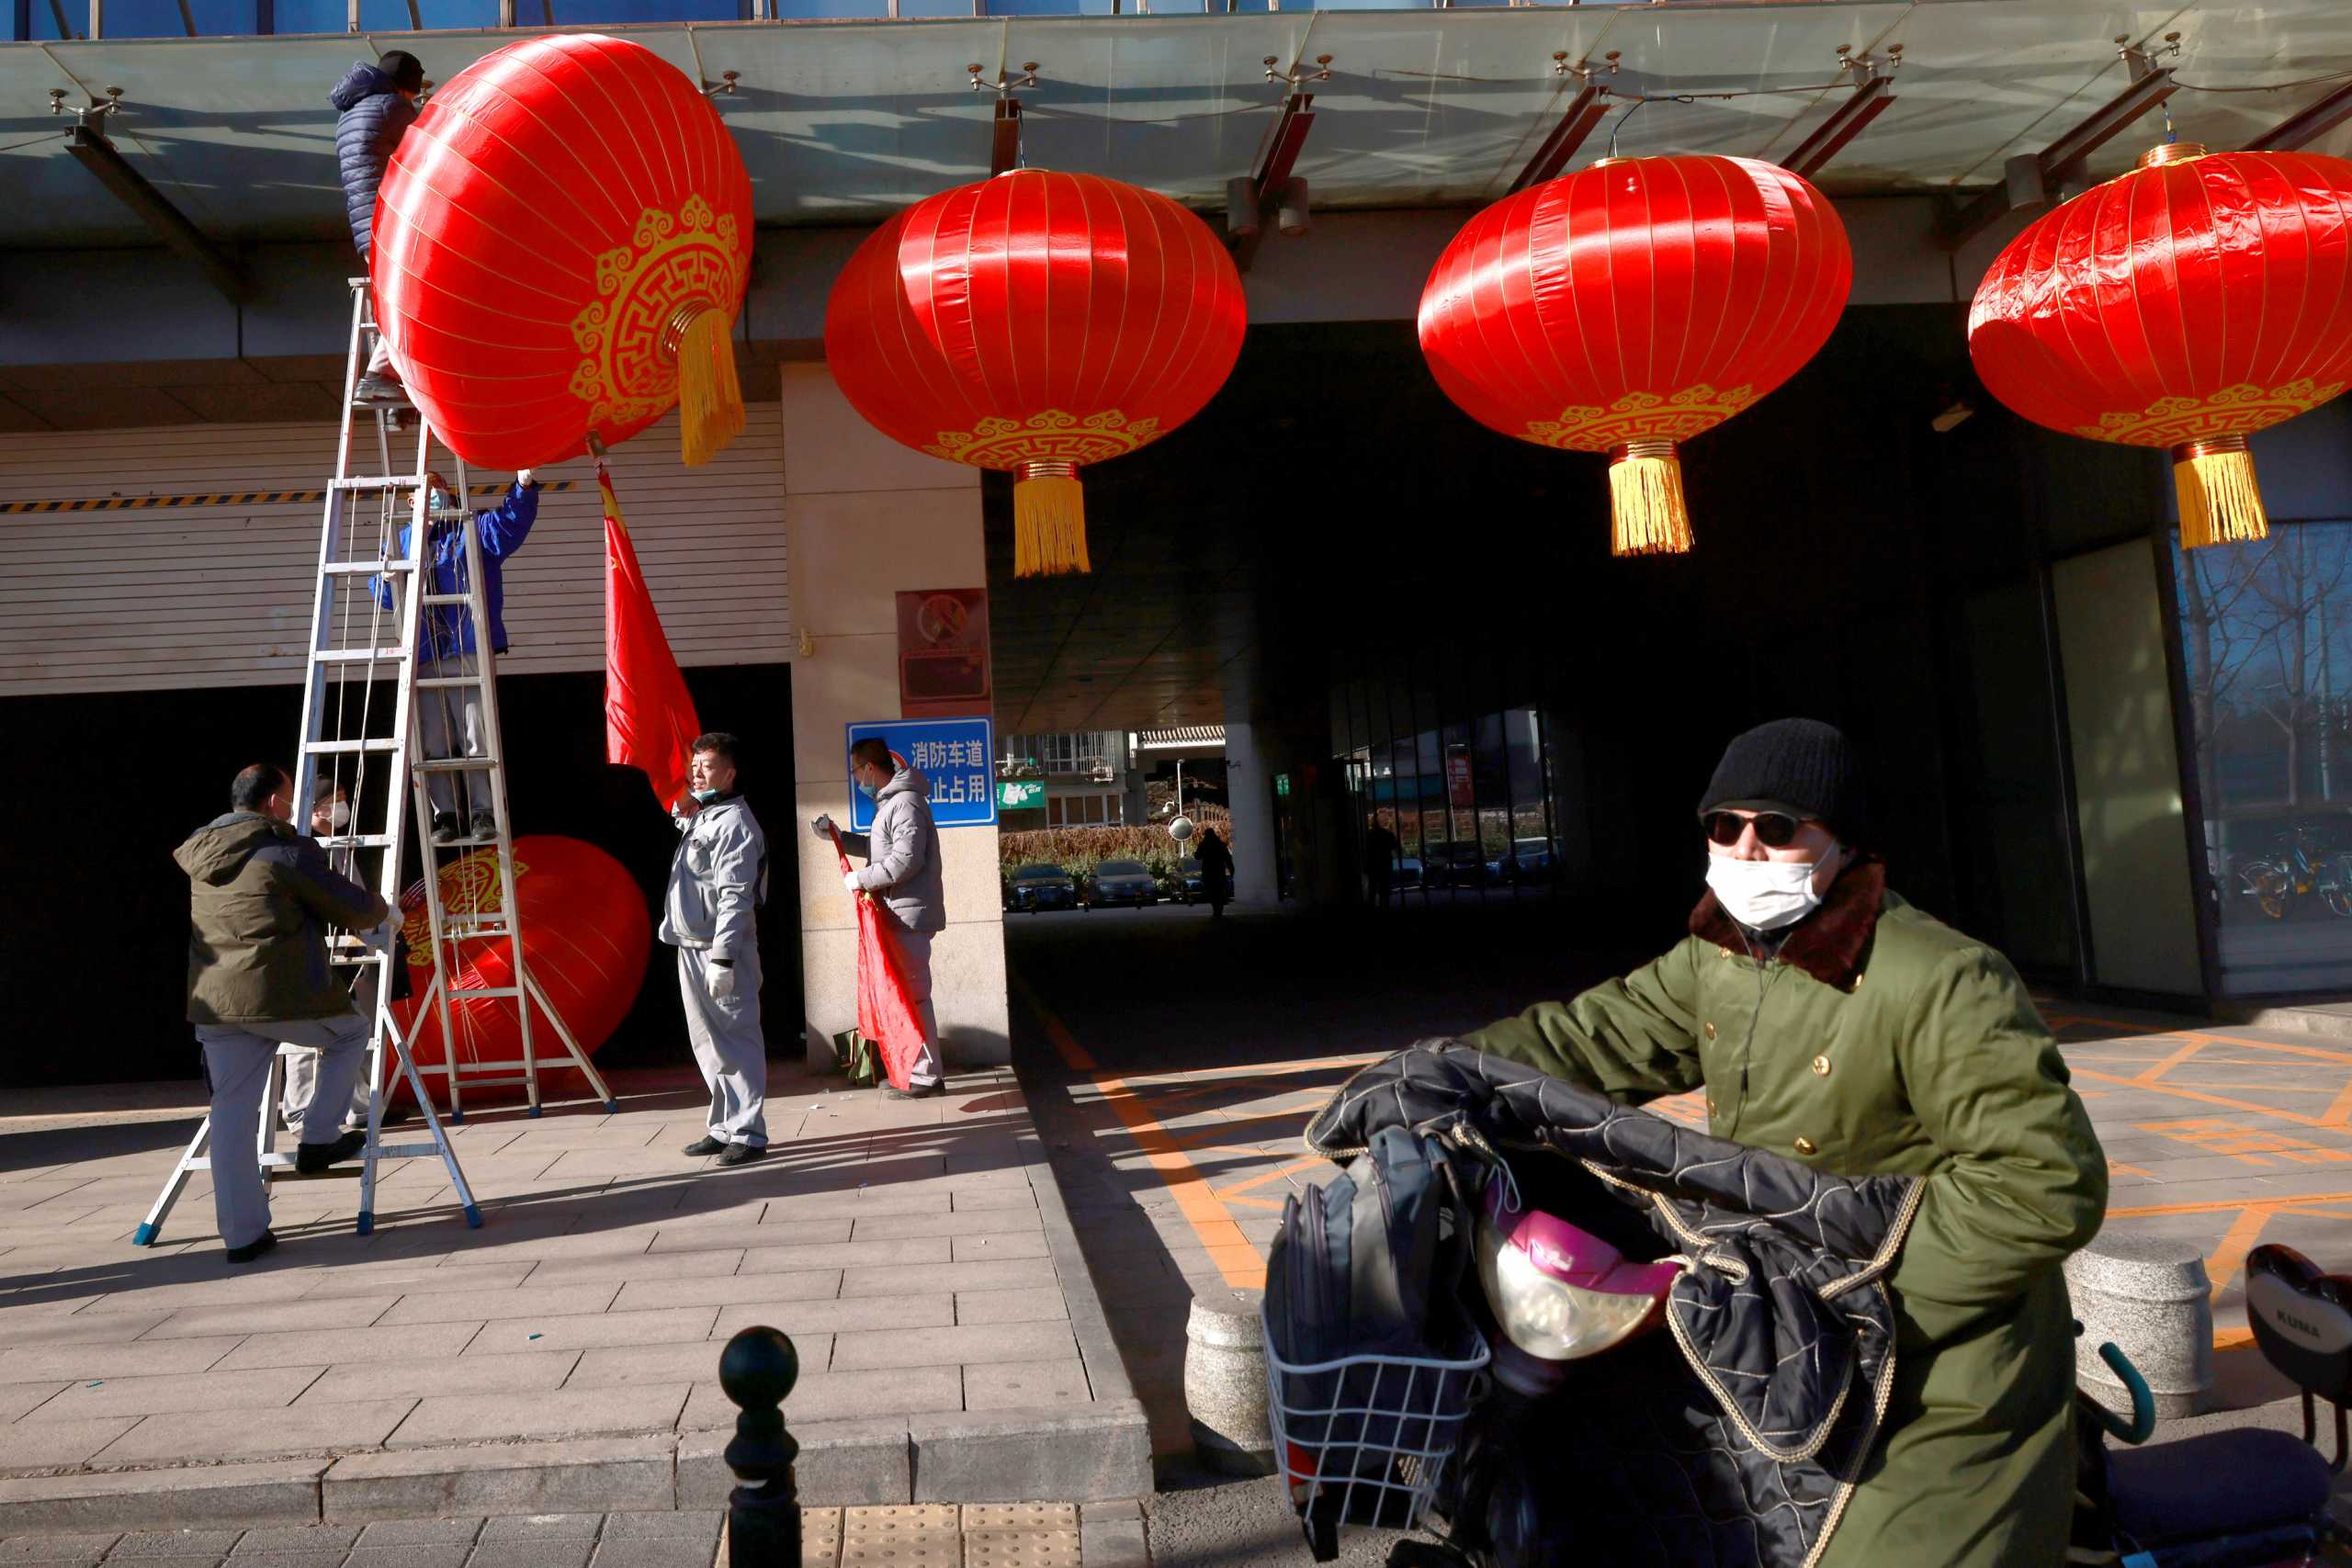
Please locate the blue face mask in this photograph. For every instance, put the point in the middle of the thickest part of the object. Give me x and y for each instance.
(866, 789)
(705, 796)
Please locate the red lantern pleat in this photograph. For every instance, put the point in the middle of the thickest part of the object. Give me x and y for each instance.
(1630, 306)
(561, 245)
(1036, 322)
(586, 938)
(2186, 304)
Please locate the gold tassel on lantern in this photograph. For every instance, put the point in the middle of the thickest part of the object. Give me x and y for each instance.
(2219, 501)
(1645, 502)
(1048, 521)
(710, 400)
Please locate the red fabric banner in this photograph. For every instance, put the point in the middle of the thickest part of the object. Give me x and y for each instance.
(886, 1013)
(649, 720)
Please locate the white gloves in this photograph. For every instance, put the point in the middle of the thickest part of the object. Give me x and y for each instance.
(380, 939)
(523, 477)
(722, 980)
(822, 827)
(849, 880)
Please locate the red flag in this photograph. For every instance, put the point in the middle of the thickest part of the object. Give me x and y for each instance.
(649, 720)
(886, 1013)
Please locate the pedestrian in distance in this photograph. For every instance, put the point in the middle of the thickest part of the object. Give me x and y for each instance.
(719, 879)
(1217, 871)
(449, 718)
(903, 876)
(260, 899)
(1833, 1022)
(1380, 852)
(375, 104)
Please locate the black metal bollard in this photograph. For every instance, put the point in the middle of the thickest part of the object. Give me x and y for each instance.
(757, 1370)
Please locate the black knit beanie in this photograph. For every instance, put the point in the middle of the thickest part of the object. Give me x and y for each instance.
(1798, 766)
(405, 70)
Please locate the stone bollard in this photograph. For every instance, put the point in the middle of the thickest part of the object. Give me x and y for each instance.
(1225, 1382)
(2151, 1299)
(757, 1370)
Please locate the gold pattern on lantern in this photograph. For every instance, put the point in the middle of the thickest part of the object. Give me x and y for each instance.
(2233, 411)
(1640, 416)
(1052, 436)
(671, 260)
(468, 887)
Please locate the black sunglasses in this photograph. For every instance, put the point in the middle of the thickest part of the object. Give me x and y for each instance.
(1774, 829)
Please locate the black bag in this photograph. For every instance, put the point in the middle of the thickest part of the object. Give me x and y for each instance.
(1371, 1266)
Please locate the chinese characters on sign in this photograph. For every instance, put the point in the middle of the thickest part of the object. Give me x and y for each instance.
(953, 753)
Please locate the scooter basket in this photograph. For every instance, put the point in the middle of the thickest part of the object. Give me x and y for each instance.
(1365, 1439)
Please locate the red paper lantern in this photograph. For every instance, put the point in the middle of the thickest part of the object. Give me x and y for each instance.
(562, 242)
(2187, 304)
(586, 937)
(1633, 305)
(1035, 322)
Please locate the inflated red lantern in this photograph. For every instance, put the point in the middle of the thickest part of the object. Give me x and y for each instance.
(2186, 305)
(561, 245)
(586, 936)
(1633, 305)
(1036, 322)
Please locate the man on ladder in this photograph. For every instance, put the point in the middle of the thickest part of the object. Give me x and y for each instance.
(261, 897)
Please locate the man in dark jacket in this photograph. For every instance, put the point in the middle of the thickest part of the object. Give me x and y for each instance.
(1833, 1022)
(374, 105)
(449, 718)
(903, 876)
(261, 897)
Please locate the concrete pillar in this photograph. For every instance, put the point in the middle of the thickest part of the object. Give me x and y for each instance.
(864, 518)
(1250, 793)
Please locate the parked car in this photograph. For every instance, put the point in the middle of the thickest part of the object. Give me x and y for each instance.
(1527, 861)
(1456, 865)
(1121, 882)
(1408, 871)
(1035, 888)
(1188, 878)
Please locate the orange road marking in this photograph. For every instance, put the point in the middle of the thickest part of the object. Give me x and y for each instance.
(1234, 1257)
(2222, 1205)
(2072, 1019)
(2161, 1068)
(2340, 1111)
(2205, 1098)
(2128, 1169)
(2229, 1255)
(2232, 1339)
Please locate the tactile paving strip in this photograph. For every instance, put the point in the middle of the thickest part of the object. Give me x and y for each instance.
(1021, 1549)
(1020, 1516)
(899, 1521)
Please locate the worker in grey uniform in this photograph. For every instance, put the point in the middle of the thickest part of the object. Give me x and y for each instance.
(903, 873)
(718, 880)
(261, 897)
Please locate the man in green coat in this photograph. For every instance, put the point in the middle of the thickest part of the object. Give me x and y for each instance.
(1832, 1023)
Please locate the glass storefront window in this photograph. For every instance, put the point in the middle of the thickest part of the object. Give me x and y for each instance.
(2266, 633)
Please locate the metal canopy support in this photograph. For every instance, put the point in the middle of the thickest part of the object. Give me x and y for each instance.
(98, 155)
(1846, 122)
(2064, 159)
(1004, 137)
(1266, 191)
(2302, 129)
(1581, 115)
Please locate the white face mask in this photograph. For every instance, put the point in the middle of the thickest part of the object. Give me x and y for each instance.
(1763, 895)
(340, 815)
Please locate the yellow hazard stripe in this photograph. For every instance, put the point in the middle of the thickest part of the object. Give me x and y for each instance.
(217, 498)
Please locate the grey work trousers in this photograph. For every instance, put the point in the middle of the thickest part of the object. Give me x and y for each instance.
(302, 1086)
(728, 1045)
(236, 1069)
(448, 724)
(915, 948)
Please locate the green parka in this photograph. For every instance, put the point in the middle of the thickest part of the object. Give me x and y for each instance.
(261, 897)
(1878, 1040)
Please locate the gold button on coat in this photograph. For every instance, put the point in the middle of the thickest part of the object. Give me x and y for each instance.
(1807, 1146)
(1821, 1066)
(1710, 1027)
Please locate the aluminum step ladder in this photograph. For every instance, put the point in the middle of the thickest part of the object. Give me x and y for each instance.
(365, 625)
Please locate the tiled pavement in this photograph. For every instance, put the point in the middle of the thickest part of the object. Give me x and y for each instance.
(2225, 1136)
(1056, 1535)
(899, 1244)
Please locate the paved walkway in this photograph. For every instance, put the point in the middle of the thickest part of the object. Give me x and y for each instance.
(985, 1535)
(565, 1356)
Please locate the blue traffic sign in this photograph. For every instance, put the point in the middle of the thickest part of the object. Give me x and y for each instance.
(955, 755)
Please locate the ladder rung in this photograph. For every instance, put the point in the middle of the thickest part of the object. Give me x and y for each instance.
(374, 485)
(454, 765)
(448, 598)
(485, 993)
(367, 568)
(356, 841)
(436, 682)
(359, 655)
(348, 748)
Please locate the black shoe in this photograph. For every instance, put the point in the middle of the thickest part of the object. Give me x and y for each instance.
(703, 1146)
(312, 1158)
(920, 1091)
(445, 827)
(485, 826)
(254, 1248)
(742, 1154)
